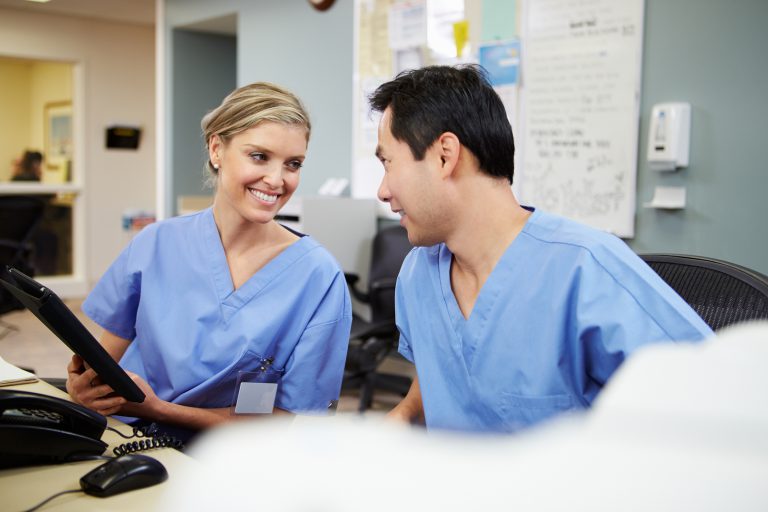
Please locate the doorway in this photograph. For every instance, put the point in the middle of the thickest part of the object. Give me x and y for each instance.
(204, 71)
(37, 154)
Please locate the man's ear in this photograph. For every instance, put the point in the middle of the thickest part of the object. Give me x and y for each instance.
(449, 150)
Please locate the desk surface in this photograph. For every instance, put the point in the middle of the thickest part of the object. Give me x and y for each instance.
(23, 488)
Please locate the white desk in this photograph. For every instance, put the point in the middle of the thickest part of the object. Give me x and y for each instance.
(22, 488)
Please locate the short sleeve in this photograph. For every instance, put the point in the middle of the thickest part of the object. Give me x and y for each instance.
(114, 301)
(401, 316)
(313, 373)
(615, 318)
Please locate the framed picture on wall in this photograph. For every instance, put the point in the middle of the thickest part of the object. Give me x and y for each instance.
(58, 133)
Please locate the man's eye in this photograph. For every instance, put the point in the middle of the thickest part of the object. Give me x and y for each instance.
(258, 156)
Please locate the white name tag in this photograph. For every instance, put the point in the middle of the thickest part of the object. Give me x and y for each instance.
(256, 398)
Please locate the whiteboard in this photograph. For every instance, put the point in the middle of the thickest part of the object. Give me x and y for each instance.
(580, 113)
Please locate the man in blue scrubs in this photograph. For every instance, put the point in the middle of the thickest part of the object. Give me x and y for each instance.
(510, 314)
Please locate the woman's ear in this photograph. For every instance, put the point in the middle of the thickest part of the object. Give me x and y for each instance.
(214, 150)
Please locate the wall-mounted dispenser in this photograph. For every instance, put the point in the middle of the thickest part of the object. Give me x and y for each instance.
(669, 136)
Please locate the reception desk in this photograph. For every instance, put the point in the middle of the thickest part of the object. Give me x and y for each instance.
(25, 487)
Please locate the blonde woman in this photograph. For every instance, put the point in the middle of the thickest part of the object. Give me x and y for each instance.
(194, 301)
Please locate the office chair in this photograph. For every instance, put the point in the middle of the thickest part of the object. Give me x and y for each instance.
(721, 293)
(371, 342)
(19, 217)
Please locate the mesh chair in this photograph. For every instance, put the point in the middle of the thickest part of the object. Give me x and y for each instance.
(19, 217)
(371, 342)
(721, 293)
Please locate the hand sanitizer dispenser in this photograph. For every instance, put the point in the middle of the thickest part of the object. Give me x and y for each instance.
(669, 136)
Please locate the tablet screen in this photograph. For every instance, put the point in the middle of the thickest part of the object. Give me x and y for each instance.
(52, 312)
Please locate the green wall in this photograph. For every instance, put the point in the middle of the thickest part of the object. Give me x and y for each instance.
(710, 53)
(706, 52)
(204, 70)
(309, 52)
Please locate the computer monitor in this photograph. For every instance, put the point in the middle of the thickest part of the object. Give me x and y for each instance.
(50, 310)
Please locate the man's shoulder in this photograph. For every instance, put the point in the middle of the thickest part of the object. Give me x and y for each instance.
(555, 229)
(576, 241)
(418, 264)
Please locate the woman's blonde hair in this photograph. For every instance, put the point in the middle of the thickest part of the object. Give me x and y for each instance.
(248, 106)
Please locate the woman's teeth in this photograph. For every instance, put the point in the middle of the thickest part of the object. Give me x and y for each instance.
(264, 197)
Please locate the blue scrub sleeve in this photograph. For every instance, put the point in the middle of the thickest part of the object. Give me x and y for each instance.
(401, 314)
(312, 378)
(404, 347)
(314, 371)
(114, 301)
(613, 323)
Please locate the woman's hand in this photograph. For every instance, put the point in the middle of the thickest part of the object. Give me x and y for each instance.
(152, 408)
(85, 388)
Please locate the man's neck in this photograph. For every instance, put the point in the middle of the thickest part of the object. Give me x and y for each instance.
(492, 221)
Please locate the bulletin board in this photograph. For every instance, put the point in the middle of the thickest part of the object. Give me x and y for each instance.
(391, 36)
(580, 118)
(574, 108)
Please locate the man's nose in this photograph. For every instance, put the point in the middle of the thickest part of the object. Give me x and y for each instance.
(383, 192)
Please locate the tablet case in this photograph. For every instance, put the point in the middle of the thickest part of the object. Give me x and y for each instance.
(52, 312)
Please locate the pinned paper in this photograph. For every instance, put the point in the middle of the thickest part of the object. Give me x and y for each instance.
(498, 20)
(668, 198)
(460, 35)
(502, 61)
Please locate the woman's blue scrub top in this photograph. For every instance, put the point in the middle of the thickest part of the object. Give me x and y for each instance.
(171, 293)
(564, 306)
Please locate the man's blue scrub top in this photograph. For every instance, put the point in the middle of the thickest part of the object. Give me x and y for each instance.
(171, 293)
(564, 306)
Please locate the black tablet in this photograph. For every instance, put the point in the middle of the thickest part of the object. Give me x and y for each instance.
(49, 309)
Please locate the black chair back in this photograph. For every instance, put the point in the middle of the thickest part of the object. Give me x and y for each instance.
(19, 217)
(722, 293)
(371, 342)
(390, 247)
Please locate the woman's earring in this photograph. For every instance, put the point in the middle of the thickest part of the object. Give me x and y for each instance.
(216, 166)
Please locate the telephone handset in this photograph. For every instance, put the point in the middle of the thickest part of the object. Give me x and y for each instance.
(41, 429)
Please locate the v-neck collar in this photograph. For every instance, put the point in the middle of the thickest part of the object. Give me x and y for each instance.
(232, 299)
(470, 331)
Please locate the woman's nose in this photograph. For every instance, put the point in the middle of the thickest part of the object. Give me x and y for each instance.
(274, 176)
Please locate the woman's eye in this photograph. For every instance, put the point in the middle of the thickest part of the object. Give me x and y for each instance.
(258, 156)
(295, 165)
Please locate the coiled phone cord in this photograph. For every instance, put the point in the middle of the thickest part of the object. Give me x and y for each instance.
(153, 438)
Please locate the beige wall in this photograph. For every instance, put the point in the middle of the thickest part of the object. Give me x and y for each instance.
(115, 68)
(15, 119)
(51, 83)
(28, 85)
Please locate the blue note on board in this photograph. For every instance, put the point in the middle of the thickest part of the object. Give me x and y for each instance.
(502, 61)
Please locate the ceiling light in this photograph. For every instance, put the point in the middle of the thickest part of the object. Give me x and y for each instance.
(39, 1)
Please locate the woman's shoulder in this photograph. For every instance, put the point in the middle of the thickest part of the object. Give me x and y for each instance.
(180, 226)
(312, 254)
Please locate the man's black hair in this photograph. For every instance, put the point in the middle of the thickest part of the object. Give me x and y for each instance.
(430, 101)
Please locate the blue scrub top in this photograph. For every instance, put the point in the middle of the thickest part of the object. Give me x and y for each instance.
(171, 293)
(564, 306)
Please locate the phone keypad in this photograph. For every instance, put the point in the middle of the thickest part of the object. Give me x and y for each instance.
(29, 416)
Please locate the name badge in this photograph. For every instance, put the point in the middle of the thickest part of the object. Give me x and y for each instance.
(256, 398)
